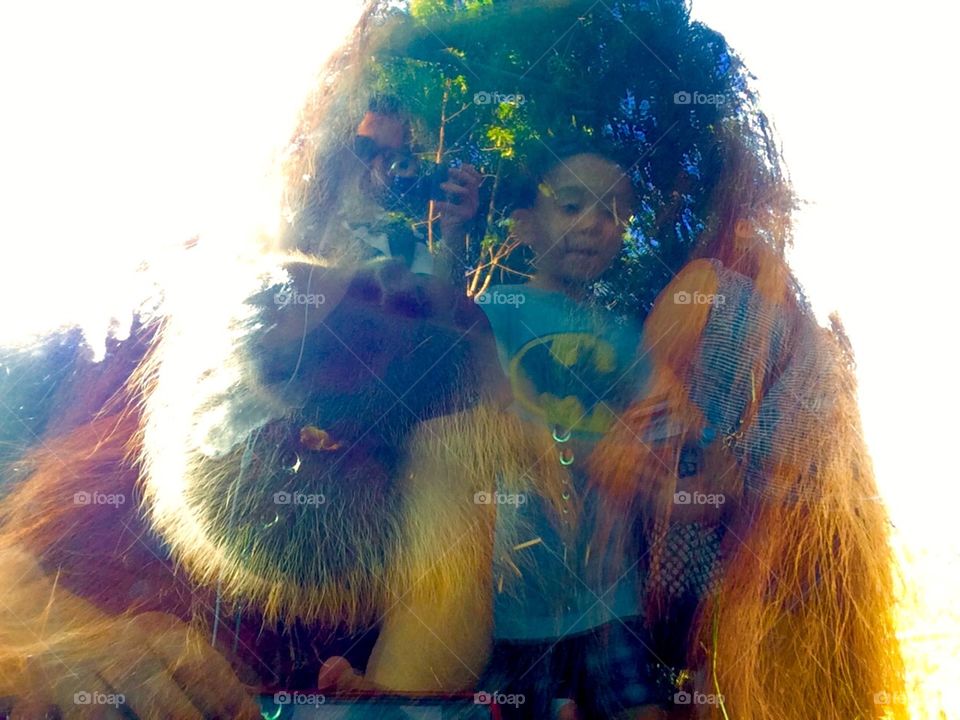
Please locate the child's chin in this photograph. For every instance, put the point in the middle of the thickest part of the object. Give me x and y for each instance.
(580, 271)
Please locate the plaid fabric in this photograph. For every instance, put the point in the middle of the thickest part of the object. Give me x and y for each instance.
(604, 671)
(621, 664)
(621, 671)
(689, 564)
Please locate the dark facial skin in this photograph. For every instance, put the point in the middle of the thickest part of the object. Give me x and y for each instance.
(576, 225)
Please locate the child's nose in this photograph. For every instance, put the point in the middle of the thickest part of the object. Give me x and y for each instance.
(594, 221)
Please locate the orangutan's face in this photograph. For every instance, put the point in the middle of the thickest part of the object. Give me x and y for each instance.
(289, 487)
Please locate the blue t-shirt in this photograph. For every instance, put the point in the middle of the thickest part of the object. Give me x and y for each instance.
(572, 367)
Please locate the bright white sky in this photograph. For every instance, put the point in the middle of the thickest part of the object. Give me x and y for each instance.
(128, 126)
(863, 96)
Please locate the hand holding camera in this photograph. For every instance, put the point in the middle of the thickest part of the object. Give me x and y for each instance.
(455, 192)
(461, 201)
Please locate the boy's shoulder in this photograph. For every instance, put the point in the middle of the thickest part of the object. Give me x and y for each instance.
(529, 303)
(520, 314)
(526, 310)
(499, 299)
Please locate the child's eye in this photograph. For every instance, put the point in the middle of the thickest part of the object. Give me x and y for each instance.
(571, 208)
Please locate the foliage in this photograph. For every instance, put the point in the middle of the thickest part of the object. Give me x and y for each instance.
(514, 86)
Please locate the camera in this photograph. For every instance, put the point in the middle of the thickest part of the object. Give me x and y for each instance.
(411, 193)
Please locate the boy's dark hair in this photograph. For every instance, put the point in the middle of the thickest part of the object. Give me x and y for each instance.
(385, 105)
(519, 189)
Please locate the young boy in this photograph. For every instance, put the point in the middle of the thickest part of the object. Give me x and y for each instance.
(550, 336)
(572, 367)
(559, 628)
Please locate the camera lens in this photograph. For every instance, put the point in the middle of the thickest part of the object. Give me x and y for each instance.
(404, 166)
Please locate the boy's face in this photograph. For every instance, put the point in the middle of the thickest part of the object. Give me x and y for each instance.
(576, 226)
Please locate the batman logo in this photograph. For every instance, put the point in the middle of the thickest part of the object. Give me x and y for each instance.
(567, 380)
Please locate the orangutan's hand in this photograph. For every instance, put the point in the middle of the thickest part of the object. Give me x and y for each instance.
(338, 675)
(59, 650)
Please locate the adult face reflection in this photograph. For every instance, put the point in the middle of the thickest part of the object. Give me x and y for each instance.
(394, 179)
(382, 145)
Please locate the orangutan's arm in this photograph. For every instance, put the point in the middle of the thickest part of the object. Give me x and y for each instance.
(56, 648)
(436, 636)
(674, 327)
